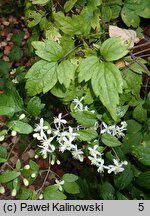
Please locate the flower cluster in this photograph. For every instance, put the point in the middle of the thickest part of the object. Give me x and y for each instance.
(66, 138)
(114, 130)
(97, 160)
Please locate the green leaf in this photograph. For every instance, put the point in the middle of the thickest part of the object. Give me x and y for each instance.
(8, 176)
(144, 180)
(51, 193)
(32, 18)
(132, 82)
(33, 165)
(142, 152)
(120, 196)
(107, 84)
(48, 50)
(106, 13)
(107, 191)
(15, 54)
(106, 81)
(20, 127)
(41, 77)
(144, 9)
(70, 177)
(121, 111)
(7, 105)
(85, 118)
(110, 140)
(71, 187)
(133, 126)
(139, 113)
(114, 48)
(18, 165)
(2, 160)
(65, 72)
(3, 152)
(76, 24)
(69, 5)
(88, 67)
(115, 11)
(87, 135)
(129, 17)
(4, 68)
(42, 2)
(35, 106)
(18, 38)
(25, 194)
(122, 180)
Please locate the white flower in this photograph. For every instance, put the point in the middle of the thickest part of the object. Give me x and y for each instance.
(101, 166)
(15, 81)
(65, 144)
(95, 160)
(77, 153)
(114, 129)
(58, 121)
(78, 105)
(106, 128)
(13, 71)
(59, 184)
(117, 167)
(56, 132)
(93, 151)
(40, 128)
(70, 134)
(47, 147)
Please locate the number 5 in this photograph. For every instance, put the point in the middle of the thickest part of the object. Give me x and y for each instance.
(141, 207)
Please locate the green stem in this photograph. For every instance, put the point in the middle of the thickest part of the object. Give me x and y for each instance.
(68, 53)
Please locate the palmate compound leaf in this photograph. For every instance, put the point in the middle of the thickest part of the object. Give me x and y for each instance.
(41, 77)
(106, 81)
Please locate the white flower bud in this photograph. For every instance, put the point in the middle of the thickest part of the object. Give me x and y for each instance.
(58, 162)
(14, 192)
(45, 156)
(22, 116)
(2, 138)
(33, 175)
(49, 131)
(26, 182)
(27, 167)
(2, 190)
(36, 156)
(52, 162)
(41, 196)
(13, 133)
